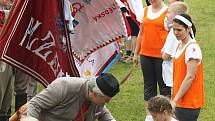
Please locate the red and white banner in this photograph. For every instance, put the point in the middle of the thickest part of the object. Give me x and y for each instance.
(100, 23)
(99, 61)
(34, 40)
(93, 38)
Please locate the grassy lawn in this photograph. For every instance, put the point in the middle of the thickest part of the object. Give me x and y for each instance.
(129, 104)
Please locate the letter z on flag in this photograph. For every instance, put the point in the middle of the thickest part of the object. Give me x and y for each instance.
(34, 40)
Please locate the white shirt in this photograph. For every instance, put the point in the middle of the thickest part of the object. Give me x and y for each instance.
(170, 44)
(151, 15)
(193, 51)
(167, 73)
(136, 7)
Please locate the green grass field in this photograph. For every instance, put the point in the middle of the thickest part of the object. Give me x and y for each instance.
(129, 104)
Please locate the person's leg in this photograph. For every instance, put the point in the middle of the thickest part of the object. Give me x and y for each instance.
(3, 88)
(6, 104)
(164, 90)
(31, 89)
(128, 48)
(134, 33)
(150, 84)
(129, 39)
(121, 42)
(134, 40)
(20, 87)
(185, 114)
(130, 52)
(6, 89)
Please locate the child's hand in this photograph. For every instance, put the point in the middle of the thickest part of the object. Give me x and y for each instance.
(166, 57)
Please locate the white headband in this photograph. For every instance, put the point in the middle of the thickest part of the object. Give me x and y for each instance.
(184, 20)
(187, 22)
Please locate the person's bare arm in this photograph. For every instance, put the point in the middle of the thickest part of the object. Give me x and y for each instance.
(192, 66)
(138, 45)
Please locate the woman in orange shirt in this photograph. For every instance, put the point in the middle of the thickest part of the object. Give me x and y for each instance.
(188, 83)
(150, 40)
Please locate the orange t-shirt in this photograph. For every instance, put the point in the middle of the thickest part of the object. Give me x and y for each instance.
(154, 35)
(194, 97)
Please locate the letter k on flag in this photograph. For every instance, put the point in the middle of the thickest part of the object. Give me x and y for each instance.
(34, 40)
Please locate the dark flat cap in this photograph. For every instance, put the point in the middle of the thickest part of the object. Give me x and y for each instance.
(108, 84)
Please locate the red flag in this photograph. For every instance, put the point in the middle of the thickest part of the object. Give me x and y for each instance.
(34, 40)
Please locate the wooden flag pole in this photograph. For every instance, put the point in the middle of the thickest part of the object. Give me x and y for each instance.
(127, 75)
(17, 115)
